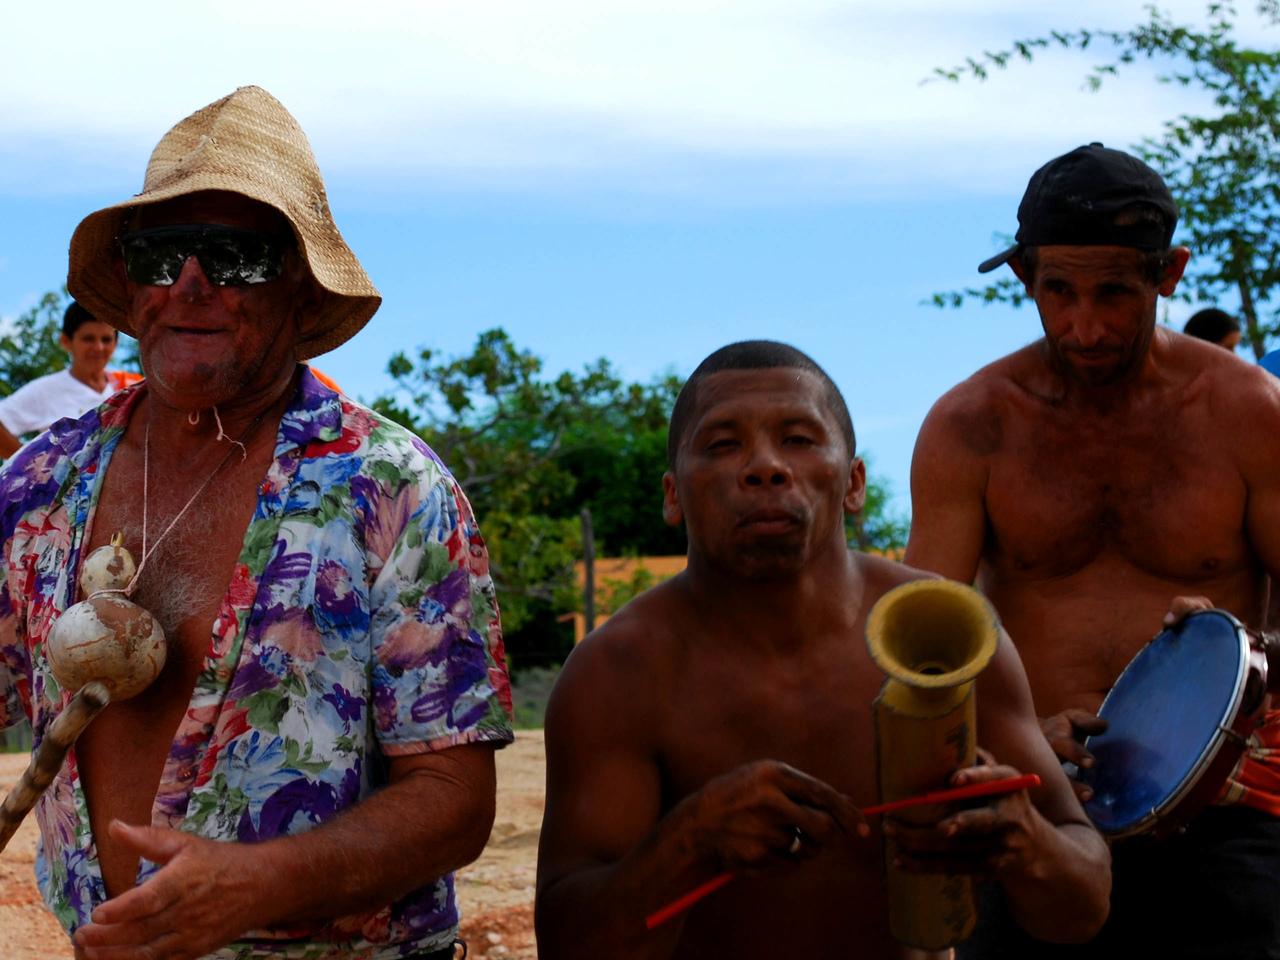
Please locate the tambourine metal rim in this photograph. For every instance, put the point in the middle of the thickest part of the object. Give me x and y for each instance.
(1222, 731)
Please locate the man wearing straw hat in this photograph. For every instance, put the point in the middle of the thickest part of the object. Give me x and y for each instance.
(317, 755)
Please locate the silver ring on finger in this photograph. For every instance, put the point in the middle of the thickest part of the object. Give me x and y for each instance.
(797, 841)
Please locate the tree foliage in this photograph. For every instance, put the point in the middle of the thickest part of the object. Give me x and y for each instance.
(29, 347)
(1223, 168)
(532, 450)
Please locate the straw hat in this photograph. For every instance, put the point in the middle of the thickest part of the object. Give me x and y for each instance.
(245, 143)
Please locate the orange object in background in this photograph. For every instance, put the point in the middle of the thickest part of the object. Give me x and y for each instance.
(119, 379)
(326, 380)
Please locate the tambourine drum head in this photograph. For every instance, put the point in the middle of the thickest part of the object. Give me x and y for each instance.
(1163, 716)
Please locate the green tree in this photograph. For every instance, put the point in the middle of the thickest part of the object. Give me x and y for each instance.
(878, 528)
(1223, 168)
(531, 451)
(29, 347)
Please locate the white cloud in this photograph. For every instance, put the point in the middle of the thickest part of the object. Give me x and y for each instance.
(659, 92)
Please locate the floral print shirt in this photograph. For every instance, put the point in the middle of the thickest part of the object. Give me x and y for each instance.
(360, 623)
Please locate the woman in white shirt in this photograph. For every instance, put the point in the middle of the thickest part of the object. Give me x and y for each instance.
(67, 393)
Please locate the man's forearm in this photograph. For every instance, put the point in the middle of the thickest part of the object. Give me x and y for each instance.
(599, 911)
(1064, 897)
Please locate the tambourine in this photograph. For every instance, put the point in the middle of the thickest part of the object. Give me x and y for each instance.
(1178, 720)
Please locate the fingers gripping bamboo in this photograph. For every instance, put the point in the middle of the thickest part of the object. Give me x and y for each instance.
(47, 759)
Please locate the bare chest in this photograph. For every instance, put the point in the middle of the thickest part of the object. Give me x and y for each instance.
(814, 716)
(1164, 497)
(190, 557)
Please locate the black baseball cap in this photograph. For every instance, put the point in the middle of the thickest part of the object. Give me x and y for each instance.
(1075, 199)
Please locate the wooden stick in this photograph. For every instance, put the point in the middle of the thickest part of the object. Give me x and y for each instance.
(987, 788)
(48, 757)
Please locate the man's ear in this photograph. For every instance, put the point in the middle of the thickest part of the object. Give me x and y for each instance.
(855, 495)
(1178, 259)
(65, 342)
(671, 512)
(308, 294)
(1020, 271)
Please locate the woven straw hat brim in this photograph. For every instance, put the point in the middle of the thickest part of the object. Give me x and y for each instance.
(245, 143)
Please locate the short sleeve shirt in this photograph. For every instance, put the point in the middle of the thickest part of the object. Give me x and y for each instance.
(360, 623)
(46, 400)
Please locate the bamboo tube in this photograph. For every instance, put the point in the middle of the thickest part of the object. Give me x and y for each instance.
(931, 638)
(47, 759)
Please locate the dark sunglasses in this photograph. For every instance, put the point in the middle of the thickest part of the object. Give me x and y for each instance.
(229, 256)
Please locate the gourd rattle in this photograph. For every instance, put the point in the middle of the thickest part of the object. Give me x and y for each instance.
(106, 648)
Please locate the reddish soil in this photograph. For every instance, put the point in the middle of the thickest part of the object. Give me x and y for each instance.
(495, 892)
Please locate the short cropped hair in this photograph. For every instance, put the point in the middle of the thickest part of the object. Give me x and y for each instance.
(754, 355)
(1211, 324)
(75, 318)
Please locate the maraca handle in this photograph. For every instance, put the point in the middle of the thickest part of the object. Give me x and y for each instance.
(45, 763)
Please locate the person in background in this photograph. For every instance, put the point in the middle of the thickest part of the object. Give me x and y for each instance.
(1216, 326)
(68, 393)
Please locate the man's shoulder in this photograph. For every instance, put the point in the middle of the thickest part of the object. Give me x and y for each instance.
(614, 680)
(643, 629)
(638, 640)
(1239, 396)
(882, 574)
(381, 444)
(30, 480)
(970, 417)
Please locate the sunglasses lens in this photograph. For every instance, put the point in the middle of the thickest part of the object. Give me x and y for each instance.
(239, 259)
(228, 256)
(151, 261)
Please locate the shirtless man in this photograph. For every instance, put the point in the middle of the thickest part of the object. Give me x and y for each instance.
(714, 715)
(316, 756)
(1086, 480)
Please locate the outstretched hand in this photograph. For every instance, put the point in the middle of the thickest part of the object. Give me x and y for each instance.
(766, 814)
(206, 894)
(1004, 835)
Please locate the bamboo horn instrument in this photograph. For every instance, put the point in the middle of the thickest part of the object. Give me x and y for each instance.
(931, 638)
(47, 759)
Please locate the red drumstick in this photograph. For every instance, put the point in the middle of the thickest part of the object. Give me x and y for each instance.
(988, 788)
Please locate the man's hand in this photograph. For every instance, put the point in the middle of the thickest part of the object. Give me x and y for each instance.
(766, 814)
(204, 896)
(1004, 836)
(1182, 607)
(1066, 732)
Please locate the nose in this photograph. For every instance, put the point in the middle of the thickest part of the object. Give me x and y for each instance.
(192, 285)
(1088, 328)
(765, 466)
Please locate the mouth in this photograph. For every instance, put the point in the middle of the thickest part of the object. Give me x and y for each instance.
(186, 331)
(770, 521)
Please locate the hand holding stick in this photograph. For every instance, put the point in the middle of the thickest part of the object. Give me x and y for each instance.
(47, 759)
(990, 788)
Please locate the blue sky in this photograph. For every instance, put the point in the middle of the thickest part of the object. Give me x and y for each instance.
(644, 181)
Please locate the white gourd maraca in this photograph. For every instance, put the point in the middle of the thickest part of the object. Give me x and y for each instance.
(106, 636)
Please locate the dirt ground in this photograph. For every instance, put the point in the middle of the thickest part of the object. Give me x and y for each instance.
(495, 892)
